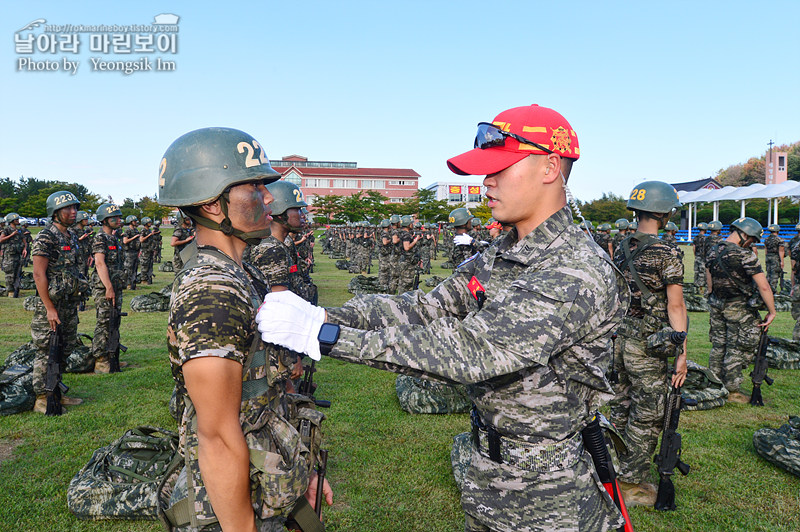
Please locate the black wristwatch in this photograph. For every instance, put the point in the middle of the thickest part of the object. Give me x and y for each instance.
(327, 337)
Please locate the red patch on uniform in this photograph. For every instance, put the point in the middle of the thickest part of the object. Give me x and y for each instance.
(474, 286)
(65, 248)
(112, 247)
(293, 269)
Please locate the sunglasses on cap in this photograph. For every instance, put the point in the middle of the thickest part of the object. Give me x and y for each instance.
(491, 136)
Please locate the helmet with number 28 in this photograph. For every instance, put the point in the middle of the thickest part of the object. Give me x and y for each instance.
(654, 196)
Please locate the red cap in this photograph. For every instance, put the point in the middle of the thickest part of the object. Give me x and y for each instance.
(538, 124)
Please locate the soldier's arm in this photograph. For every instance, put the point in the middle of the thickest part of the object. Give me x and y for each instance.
(215, 387)
(40, 263)
(709, 286)
(676, 312)
(766, 294)
(102, 272)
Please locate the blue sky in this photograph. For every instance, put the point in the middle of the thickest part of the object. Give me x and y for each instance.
(670, 91)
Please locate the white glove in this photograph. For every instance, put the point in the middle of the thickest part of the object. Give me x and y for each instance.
(290, 321)
(462, 240)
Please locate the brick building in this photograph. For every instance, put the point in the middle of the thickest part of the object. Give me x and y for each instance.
(325, 178)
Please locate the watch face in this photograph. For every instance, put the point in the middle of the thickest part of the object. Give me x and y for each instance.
(328, 333)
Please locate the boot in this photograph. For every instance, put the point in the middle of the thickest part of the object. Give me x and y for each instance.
(70, 401)
(41, 404)
(102, 365)
(738, 397)
(642, 494)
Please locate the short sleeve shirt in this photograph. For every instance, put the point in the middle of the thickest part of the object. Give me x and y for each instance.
(741, 264)
(659, 265)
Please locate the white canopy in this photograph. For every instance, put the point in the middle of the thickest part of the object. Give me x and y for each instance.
(754, 191)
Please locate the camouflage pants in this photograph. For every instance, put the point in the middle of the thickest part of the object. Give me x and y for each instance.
(773, 268)
(131, 266)
(40, 333)
(734, 336)
(103, 328)
(177, 263)
(394, 275)
(384, 273)
(637, 409)
(700, 273)
(10, 268)
(406, 273)
(425, 256)
(146, 266)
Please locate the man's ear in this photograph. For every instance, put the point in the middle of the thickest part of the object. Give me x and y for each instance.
(213, 208)
(552, 169)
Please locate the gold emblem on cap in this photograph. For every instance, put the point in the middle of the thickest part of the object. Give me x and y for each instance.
(561, 140)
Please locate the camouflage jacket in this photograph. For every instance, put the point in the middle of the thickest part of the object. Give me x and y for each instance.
(274, 260)
(212, 314)
(63, 271)
(182, 233)
(740, 263)
(659, 265)
(772, 245)
(133, 246)
(108, 245)
(699, 244)
(533, 356)
(147, 245)
(13, 247)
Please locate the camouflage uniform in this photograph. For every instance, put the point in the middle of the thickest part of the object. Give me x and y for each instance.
(407, 264)
(181, 233)
(147, 256)
(602, 238)
(699, 244)
(274, 260)
(533, 357)
(638, 406)
(734, 328)
(772, 259)
(425, 250)
(619, 237)
(212, 313)
(461, 252)
(64, 289)
(12, 254)
(107, 245)
(132, 249)
(394, 261)
(384, 259)
(26, 235)
(308, 290)
(795, 256)
(669, 238)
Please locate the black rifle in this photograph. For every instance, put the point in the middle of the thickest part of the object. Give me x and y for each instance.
(321, 470)
(52, 378)
(307, 386)
(759, 373)
(613, 376)
(669, 455)
(114, 347)
(417, 267)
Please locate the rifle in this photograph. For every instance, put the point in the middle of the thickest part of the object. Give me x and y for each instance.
(321, 470)
(417, 267)
(307, 386)
(613, 376)
(760, 366)
(669, 455)
(52, 379)
(595, 443)
(114, 347)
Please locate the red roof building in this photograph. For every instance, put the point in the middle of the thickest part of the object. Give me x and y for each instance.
(325, 178)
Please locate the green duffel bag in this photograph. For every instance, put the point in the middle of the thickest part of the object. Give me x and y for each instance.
(121, 480)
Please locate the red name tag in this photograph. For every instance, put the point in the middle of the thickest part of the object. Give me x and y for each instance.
(65, 248)
(293, 269)
(112, 247)
(474, 286)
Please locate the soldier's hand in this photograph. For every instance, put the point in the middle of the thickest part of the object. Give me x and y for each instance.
(52, 319)
(767, 320)
(311, 492)
(681, 371)
(110, 295)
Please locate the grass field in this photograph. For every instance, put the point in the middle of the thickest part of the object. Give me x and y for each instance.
(390, 470)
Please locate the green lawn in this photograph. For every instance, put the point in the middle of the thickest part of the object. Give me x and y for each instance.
(390, 470)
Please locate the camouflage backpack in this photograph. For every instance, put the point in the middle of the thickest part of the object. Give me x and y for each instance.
(121, 480)
(702, 389)
(781, 446)
(16, 381)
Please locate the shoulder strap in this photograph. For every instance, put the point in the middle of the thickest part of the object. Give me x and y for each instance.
(646, 241)
(721, 264)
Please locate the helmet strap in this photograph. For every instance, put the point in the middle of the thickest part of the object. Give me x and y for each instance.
(226, 227)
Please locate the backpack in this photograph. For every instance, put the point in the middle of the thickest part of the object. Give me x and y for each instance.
(121, 480)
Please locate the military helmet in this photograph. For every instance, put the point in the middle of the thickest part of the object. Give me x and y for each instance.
(286, 196)
(385, 222)
(476, 222)
(81, 216)
(147, 220)
(748, 226)
(157, 223)
(131, 218)
(200, 165)
(605, 226)
(715, 225)
(406, 220)
(584, 225)
(394, 219)
(59, 200)
(654, 196)
(459, 217)
(10, 217)
(702, 226)
(621, 224)
(774, 228)
(670, 227)
(417, 224)
(634, 225)
(107, 210)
